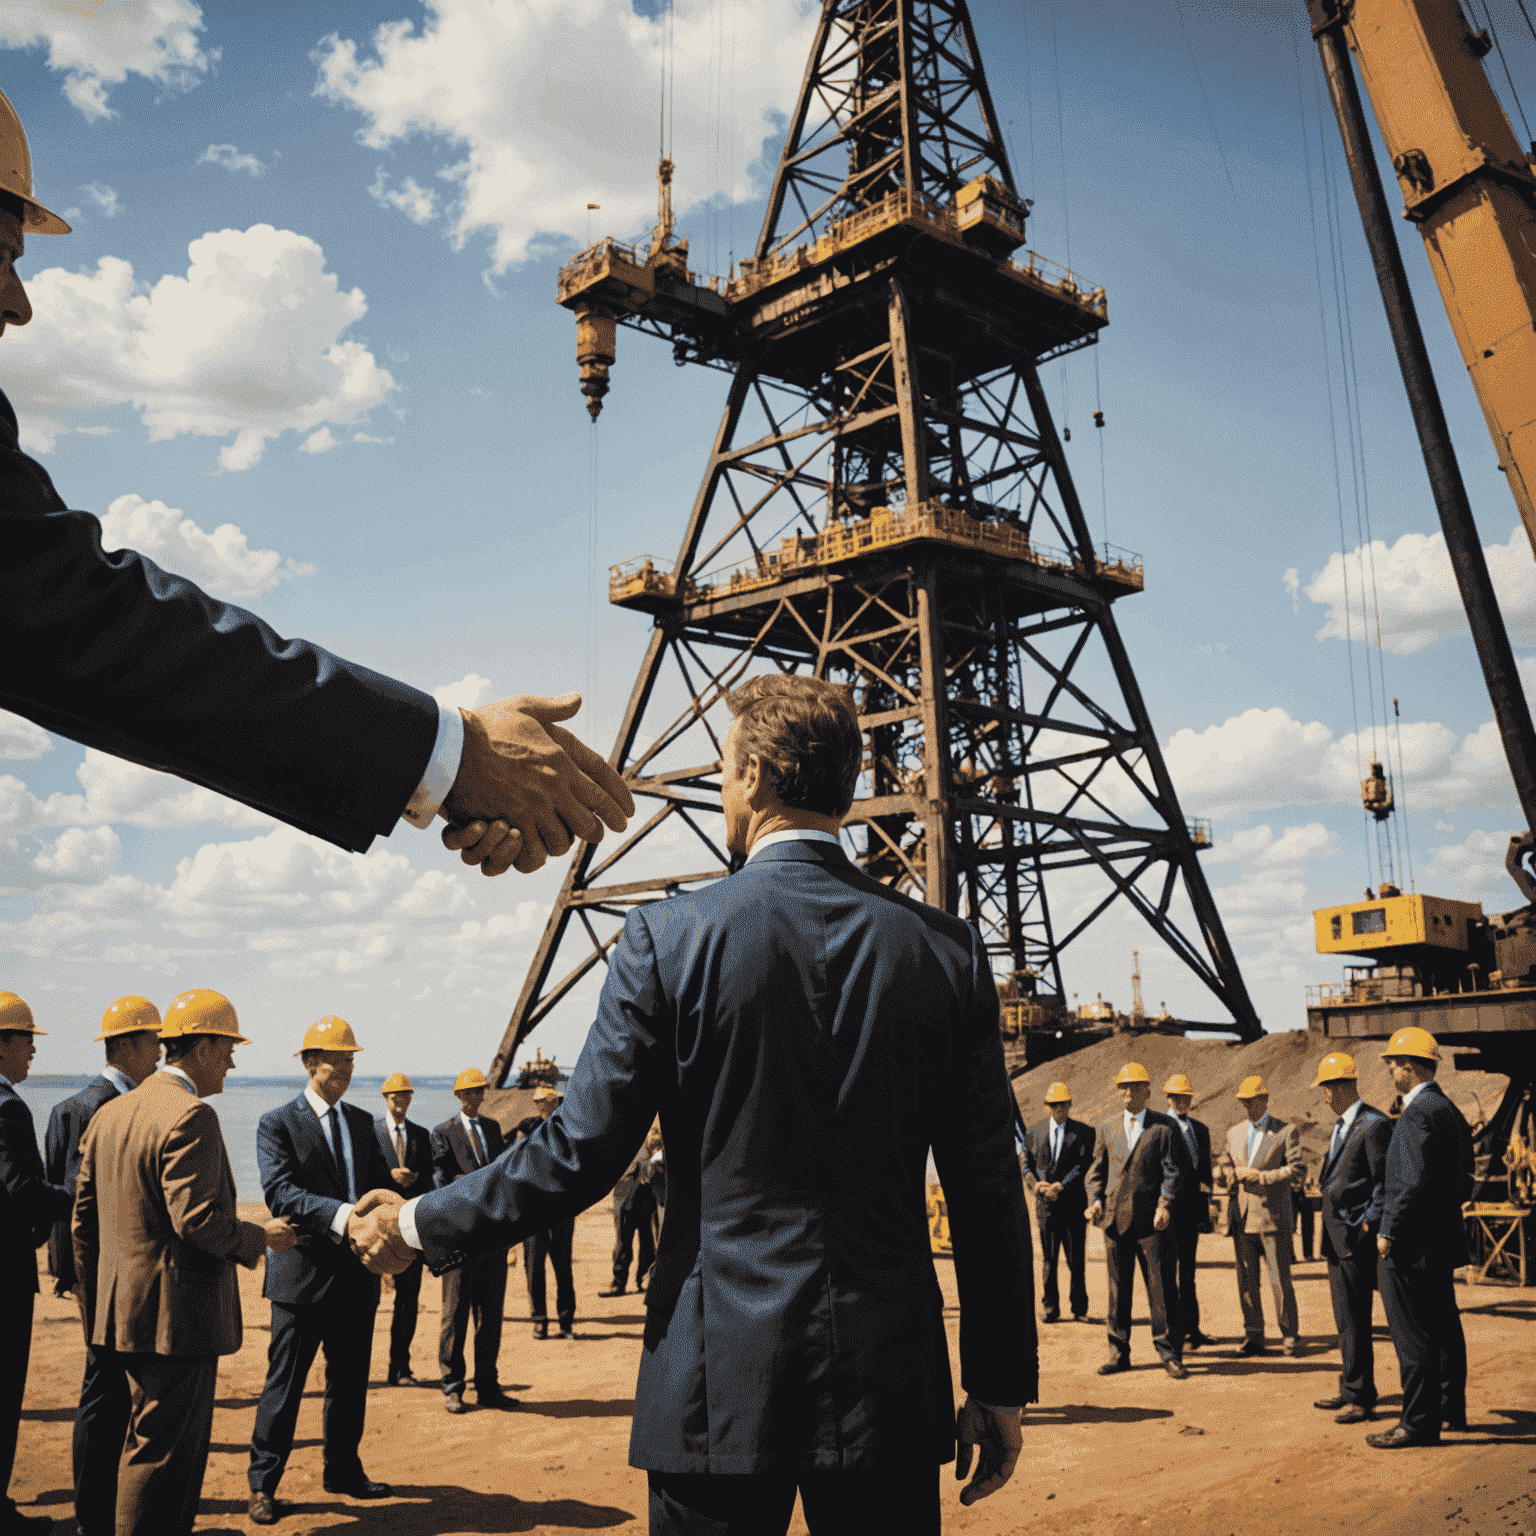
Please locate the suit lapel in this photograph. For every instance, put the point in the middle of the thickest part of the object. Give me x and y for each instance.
(311, 1143)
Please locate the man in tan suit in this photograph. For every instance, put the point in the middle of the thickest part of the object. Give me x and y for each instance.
(1257, 1215)
(156, 1239)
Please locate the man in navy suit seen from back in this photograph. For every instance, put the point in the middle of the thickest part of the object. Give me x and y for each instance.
(1422, 1242)
(317, 1157)
(1055, 1162)
(805, 1033)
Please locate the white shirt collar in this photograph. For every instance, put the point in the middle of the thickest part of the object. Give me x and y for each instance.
(316, 1103)
(1138, 1118)
(790, 835)
(119, 1079)
(1347, 1118)
(1415, 1091)
(469, 1122)
(1259, 1124)
(177, 1072)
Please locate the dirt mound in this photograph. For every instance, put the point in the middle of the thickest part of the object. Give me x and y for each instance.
(1286, 1060)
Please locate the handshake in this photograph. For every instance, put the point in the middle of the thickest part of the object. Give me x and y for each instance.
(373, 1231)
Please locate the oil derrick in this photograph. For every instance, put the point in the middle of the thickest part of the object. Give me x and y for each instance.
(887, 504)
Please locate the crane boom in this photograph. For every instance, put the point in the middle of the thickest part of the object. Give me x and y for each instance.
(1469, 188)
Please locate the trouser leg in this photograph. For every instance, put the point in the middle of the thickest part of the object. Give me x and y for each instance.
(1157, 1258)
(726, 1504)
(1186, 1236)
(1120, 1269)
(295, 1338)
(101, 1426)
(561, 1238)
(1308, 1226)
(1050, 1248)
(1282, 1294)
(1248, 1252)
(456, 1309)
(623, 1245)
(534, 1249)
(348, 1344)
(490, 1305)
(15, 1352)
(1452, 1346)
(1074, 1241)
(885, 1499)
(165, 1455)
(1407, 1296)
(647, 1227)
(402, 1323)
(1350, 1290)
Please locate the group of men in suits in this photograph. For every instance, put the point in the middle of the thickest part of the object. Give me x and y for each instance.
(1391, 1220)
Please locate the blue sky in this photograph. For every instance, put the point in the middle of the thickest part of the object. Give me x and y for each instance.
(310, 295)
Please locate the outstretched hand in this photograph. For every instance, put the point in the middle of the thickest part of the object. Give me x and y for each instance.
(373, 1231)
(526, 787)
(999, 1439)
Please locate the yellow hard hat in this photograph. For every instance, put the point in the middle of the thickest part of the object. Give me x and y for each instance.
(470, 1077)
(542, 1095)
(1058, 1093)
(329, 1034)
(200, 1012)
(15, 1015)
(1178, 1083)
(129, 1015)
(1252, 1088)
(1335, 1067)
(1415, 1042)
(16, 178)
(397, 1082)
(1132, 1072)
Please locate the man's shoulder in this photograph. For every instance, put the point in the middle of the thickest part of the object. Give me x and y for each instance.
(445, 1128)
(1155, 1117)
(1082, 1127)
(354, 1112)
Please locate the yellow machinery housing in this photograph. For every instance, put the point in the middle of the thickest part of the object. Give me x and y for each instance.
(1396, 923)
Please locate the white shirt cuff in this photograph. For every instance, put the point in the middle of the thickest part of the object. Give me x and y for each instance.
(339, 1226)
(442, 768)
(408, 1224)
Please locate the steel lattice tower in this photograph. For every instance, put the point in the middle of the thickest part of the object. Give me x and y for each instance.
(887, 504)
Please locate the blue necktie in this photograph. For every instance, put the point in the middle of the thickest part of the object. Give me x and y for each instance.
(476, 1143)
(334, 1127)
(1333, 1145)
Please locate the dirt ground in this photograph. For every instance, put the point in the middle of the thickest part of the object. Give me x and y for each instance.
(1236, 1448)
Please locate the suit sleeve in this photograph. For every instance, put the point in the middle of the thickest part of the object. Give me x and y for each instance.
(278, 1166)
(1292, 1167)
(1098, 1168)
(192, 1176)
(85, 1235)
(38, 1202)
(1173, 1174)
(1378, 1136)
(127, 658)
(445, 1166)
(574, 1159)
(1030, 1167)
(989, 1226)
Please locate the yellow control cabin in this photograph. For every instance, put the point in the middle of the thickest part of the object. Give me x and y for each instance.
(1395, 923)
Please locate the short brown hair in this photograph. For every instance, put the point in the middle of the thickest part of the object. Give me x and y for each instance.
(806, 735)
(178, 1047)
(117, 1044)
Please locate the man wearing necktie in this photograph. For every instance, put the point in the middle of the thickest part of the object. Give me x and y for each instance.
(1133, 1185)
(317, 1157)
(478, 1289)
(1258, 1215)
(1055, 1164)
(1353, 1183)
(407, 1150)
(1191, 1211)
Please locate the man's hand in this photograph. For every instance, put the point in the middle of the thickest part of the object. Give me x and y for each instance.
(1094, 1211)
(493, 845)
(519, 766)
(404, 1177)
(1161, 1219)
(1384, 1246)
(999, 1438)
(280, 1234)
(1247, 1175)
(373, 1230)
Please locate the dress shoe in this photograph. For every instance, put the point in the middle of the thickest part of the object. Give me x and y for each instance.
(567, 1333)
(1396, 1437)
(541, 1330)
(1353, 1414)
(263, 1509)
(613, 1290)
(1332, 1404)
(1292, 1347)
(359, 1486)
(1114, 1365)
(1198, 1340)
(402, 1376)
(454, 1403)
(1051, 1317)
(1176, 1368)
(1080, 1317)
(1251, 1346)
(496, 1399)
(1458, 1424)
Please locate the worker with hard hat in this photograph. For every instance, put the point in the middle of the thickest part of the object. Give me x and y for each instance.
(1192, 1209)
(1259, 1217)
(318, 1156)
(157, 1235)
(407, 1151)
(554, 1243)
(1057, 1152)
(130, 1034)
(477, 1289)
(1352, 1181)
(1422, 1242)
(333, 748)
(30, 1203)
(1133, 1185)
(638, 1201)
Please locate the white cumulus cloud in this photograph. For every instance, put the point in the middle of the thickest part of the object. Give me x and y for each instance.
(320, 442)
(79, 853)
(105, 198)
(127, 793)
(223, 561)
(550, 104)
(249, 343)
(470, 692)
(99, 45)
(20, 738)
(1417, 593)
(418, 204)
(231, 158)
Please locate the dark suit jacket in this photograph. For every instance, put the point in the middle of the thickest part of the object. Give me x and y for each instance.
(300, 1181)
(452, 1154)
(30, 1202)
(142, 664)
(1071, 1169)
(61, 1162)
(1130, 1183)
(1429, 1175)
(1353, 1186)
(805, 1032)
(418, 1154)
(1192, 1204)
